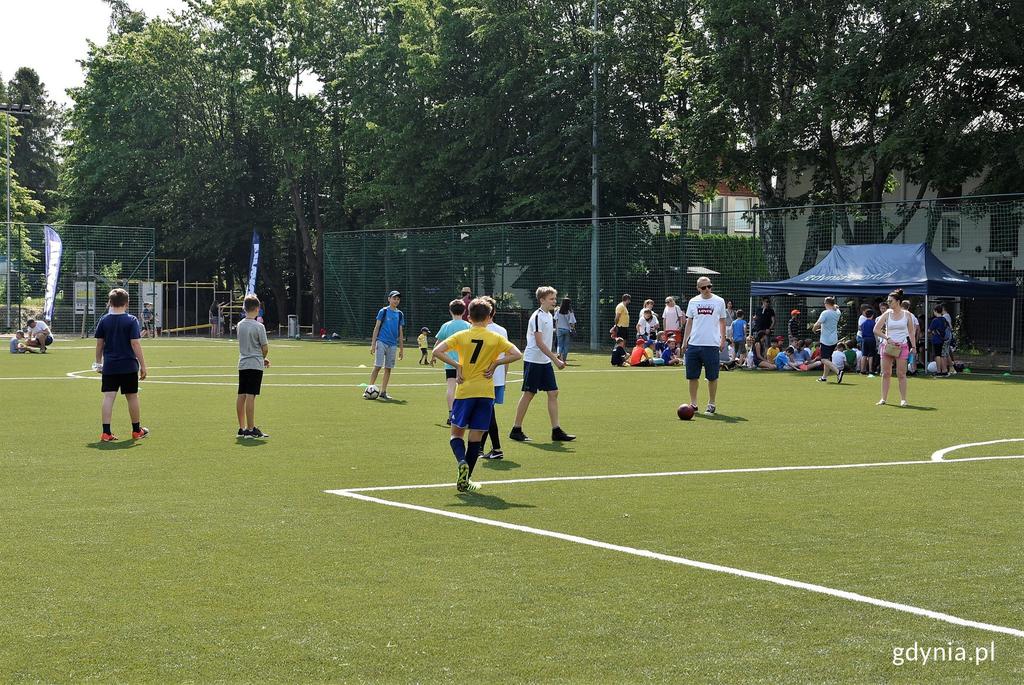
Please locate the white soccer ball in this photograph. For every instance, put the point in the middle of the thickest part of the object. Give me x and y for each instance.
(372, 392)
(933, 367)
(97, 367)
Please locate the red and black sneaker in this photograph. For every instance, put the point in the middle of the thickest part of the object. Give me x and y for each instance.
(108, 437)
(140, 434)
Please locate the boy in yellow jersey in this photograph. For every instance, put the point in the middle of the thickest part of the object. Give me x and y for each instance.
(479, 350)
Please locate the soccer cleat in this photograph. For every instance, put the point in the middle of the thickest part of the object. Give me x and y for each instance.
(140, 434)
(518, 435)
(879, 403)
(494, 454)
(108, 437)
(710, 410)
(257, 433)
(903, 403)
(385, 396)
(822, 379)
(559, 435)
(472, 486)
(839, 376)
(241, 433)
(462, 484)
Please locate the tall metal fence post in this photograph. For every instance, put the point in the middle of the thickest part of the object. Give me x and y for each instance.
(1013, 331)
(594, 199)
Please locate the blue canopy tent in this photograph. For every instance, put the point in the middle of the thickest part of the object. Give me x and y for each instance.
(878, 269)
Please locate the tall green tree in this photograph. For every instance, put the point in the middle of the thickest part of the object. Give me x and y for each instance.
(35, 151)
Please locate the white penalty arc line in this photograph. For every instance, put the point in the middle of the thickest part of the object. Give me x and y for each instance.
(683, 561)
(936, 457)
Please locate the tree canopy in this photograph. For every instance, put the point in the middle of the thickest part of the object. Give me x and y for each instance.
(302, 117)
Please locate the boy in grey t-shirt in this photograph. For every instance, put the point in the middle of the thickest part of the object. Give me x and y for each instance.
(252, 359)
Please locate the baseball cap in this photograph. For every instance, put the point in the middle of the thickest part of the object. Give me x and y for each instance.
(795, 312)
(424, 330)
(394, 293)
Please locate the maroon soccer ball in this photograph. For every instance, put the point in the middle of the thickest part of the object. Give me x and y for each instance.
(685, 412)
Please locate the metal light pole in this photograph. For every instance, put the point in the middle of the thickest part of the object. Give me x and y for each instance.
(595, 210)
(11, 109)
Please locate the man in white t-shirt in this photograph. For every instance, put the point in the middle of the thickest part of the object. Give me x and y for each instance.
(538, 373)
(704, 340)
(828, 326)
(38, 334)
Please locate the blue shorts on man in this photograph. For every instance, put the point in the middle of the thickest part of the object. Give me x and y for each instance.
(699, 357)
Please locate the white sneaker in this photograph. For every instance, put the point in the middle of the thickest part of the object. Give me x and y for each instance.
(903, 403)
(879, 403)
(710, 410)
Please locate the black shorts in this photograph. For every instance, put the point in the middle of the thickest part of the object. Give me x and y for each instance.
(827, 350)
(538, 377)
(249, 381)
(127, 383)
(449, 373)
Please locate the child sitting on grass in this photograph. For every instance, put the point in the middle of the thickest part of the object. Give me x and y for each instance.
(638, 357)
(671, 353)
(619, 353)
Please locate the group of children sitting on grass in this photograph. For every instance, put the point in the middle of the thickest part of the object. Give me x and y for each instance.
(801, 355)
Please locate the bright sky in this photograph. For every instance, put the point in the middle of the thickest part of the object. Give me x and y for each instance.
(50, 36)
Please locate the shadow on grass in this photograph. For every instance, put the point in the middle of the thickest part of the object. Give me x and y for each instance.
(498, 464)
(111, 446)
(725, 418)
(398, 402)
(492, 502)
(550, 447)
(249, 442)
(979, 376)
(914, 407)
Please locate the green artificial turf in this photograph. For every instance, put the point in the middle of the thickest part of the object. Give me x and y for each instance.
(193, 556)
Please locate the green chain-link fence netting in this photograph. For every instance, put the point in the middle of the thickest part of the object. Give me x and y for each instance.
(656, 256)
(95, 259)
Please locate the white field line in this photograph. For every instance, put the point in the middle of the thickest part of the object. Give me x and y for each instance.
(91, 375)
(682, 561)
(937, 457)
(705, 472)
(37, 378)
(161, 346)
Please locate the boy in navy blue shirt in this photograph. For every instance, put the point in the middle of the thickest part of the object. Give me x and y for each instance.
(119, 358)
(387, 341)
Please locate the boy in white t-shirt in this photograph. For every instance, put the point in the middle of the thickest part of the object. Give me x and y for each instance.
(499, 388)
(538, 373)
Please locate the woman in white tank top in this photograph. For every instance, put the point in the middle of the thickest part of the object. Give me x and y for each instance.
(895, 327)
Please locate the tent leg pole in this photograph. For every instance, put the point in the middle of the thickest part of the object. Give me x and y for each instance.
(927, 339)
